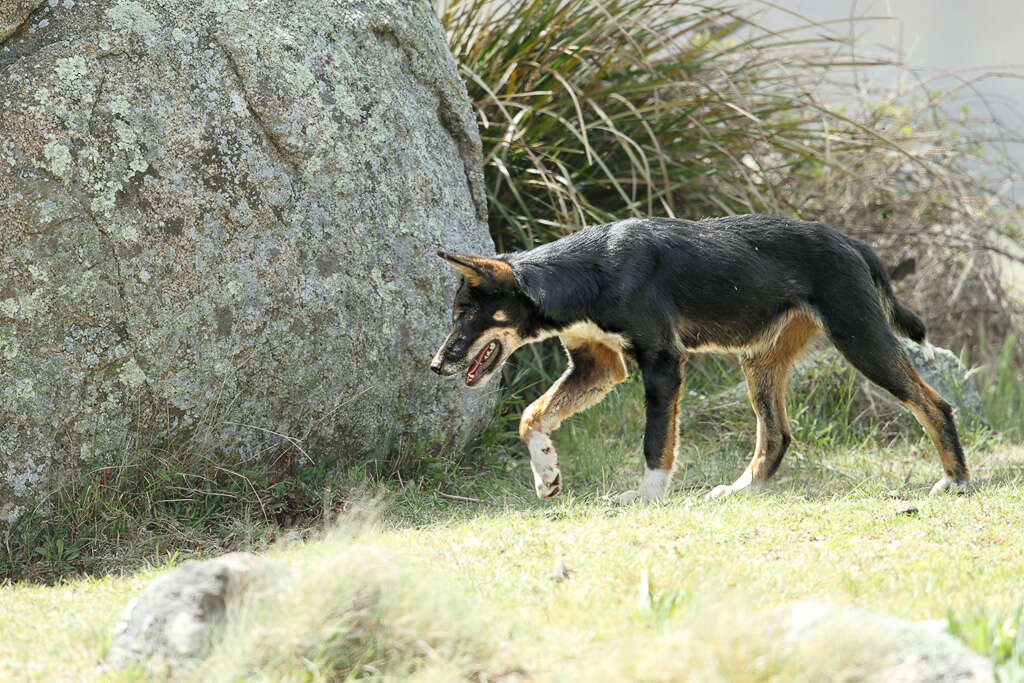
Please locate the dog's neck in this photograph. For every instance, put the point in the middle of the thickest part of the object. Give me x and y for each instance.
(563, 294)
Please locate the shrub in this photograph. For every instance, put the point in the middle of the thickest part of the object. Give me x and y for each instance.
(594, 111)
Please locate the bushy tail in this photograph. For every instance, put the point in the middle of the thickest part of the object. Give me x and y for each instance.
(903, 320)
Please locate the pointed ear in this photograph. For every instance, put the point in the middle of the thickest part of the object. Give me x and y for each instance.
(479, 270)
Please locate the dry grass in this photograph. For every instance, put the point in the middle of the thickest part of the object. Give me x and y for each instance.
(354, 610)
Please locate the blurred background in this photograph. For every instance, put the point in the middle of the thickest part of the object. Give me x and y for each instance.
(973, 48)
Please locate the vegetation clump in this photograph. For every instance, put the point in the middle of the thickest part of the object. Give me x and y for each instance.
(594, 111)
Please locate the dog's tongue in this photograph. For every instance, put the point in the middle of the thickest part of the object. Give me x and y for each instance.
(481, 358)
(475, 367)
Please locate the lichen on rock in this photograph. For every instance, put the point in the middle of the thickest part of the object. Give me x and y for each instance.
(235, 206)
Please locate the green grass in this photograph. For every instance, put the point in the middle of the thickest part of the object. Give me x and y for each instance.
(586, 116)
(1001, 383)
(469, 582)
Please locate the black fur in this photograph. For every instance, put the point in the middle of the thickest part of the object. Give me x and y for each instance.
(713, 282)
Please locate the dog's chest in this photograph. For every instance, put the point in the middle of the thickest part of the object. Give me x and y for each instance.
(586, 332)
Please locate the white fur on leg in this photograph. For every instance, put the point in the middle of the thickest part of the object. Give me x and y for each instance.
(948, 485)
(654, 484)
(547, 477)
(744, 483)
(652, 488)
(627, 497)
(927, 350)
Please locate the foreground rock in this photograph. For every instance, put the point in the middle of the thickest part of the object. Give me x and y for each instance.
(826, 377)
(219, 225)
(168, 630)
(852, 643)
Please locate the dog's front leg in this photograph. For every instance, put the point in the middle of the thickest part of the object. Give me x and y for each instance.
(594, 368)
(535, 432)
(663, 382)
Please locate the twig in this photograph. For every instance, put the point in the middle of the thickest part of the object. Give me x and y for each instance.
(461, 499)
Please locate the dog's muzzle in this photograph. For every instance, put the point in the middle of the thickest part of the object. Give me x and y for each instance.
(440, 364)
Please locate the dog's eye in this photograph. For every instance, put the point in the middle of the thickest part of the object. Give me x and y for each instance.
(501, 316)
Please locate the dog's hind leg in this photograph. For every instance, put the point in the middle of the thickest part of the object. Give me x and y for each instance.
(663, 383)
(594, 368)
(858, 329)
(767, 374)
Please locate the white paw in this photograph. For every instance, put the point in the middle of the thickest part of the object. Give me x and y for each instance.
(726, 490)
(720, 491)
(927, 350)
(654, 484)
(547, 477)
(949, 485)
(551, 483)
(627, 498)
(741, 485)
(652, 488)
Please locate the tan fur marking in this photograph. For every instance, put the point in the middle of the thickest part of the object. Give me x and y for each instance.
(500, 270)
(925, 408)
(668, 453)
(767, 376)
(594, 371)
(475, 269)
(768, 339)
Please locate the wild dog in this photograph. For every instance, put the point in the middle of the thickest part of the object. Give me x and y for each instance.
(656, 290)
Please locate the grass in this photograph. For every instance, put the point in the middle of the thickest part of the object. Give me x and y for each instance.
(998, 635)
(593, 111)
(353, 607)
(463, 590)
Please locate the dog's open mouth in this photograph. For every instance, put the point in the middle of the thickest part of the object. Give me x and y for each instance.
(483, 362)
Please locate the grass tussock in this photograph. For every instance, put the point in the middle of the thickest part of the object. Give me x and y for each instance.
(1001, 382)
(353, 610)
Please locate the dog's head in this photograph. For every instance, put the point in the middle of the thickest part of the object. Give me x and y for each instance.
(490, 320)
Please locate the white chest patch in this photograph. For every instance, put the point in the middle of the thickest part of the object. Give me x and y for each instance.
(580, 333)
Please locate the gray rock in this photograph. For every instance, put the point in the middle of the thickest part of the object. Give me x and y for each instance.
(168, 629)
(829, 375)
(219, 222)
(14, 15)
(853, 643)
(947, 375)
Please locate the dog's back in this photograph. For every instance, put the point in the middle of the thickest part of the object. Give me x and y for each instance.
(711, 284)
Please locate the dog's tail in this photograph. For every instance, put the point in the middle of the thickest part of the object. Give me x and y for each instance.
(903, 320)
